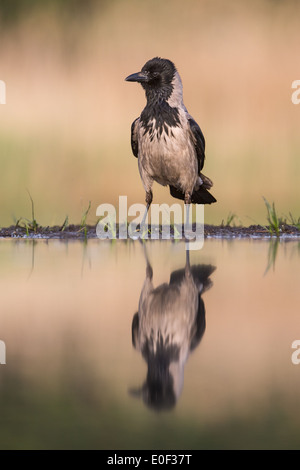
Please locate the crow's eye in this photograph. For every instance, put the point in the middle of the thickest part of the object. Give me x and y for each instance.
(155, 74)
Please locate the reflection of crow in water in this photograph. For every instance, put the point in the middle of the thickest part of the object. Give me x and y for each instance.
(169, 324)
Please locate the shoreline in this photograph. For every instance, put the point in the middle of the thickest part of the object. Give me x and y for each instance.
(77, 232)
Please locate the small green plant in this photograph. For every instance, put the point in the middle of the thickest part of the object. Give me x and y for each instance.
(144, 231)
(65, 224)
(111, 226)
(230, 220)
(84, 216)
(177, 233)
(292, 221)
(29, 225)
(274, 221)
(83, 226)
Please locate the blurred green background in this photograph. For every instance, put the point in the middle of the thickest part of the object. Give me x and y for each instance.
(65, 127)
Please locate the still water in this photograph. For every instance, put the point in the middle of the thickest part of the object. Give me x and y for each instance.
(127, 345)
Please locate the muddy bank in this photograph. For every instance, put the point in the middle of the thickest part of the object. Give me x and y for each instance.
(88, 232)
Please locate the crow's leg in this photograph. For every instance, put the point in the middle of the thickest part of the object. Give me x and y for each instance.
(187, 197)
(187, 223)
(149, 198)
(187, 202)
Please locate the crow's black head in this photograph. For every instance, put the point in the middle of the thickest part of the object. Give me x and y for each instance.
(156, 77)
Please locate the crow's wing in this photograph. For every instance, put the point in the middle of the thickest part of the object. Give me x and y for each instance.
(134, 138)
(199, 327)
(135, 330)
(199, 142)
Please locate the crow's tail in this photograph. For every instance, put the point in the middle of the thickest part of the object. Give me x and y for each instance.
(201, 196)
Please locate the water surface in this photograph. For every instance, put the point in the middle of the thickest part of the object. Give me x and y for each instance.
(79, 320)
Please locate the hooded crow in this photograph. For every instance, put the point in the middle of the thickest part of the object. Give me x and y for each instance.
(166, 140)
(167, 328)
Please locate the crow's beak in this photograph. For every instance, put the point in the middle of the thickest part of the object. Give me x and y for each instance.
(137, 77)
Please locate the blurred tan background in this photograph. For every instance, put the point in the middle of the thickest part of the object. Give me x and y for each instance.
(65, 127)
